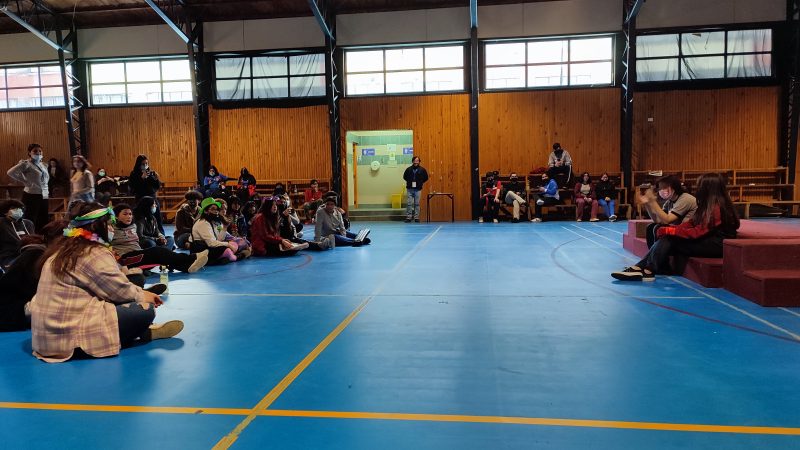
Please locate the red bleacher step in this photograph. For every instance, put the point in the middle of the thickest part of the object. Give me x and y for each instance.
(765, 271)
(707, 272)
(776, 287)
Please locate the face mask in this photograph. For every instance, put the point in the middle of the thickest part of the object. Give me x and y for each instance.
(16, 213)
(153, 209)
(211, 174)
(101, 173)
(145, 166)
(37, 158)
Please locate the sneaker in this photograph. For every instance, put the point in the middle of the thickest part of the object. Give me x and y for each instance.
(480, 219)
(157, 289)
(628, 276)
(494, 221)
(408, 220)
(416, 220)
(515, 220)
(613, 218)
(579, 220)
(540, 202)
(595, 219)
(165, 330)
(536, 219)
(244, 254)
(362, 235)
(200, 260)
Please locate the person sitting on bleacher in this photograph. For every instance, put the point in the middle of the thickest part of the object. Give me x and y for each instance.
(126, 244)
(515, 190)
(678, 207)
(606, 196)
(489, 201)
(105, 187)
(208, 233)
(245, 186)
(150, 234)
(329, 222)
(313, 200)
(701, 236)
(585, 196)
(266, 232)
(185, 218)
(559, 163)
(13, 229)
(547, 195)
(213, 183)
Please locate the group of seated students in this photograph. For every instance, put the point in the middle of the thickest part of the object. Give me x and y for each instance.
(79, 284)
(587, 195)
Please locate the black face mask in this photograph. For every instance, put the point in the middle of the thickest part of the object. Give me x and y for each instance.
(280, 190)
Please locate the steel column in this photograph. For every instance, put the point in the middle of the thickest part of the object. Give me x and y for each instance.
(474, 88)
(630, 10)
(790, 91)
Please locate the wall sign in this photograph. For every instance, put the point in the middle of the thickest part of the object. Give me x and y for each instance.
(408, 150)
(367, 152)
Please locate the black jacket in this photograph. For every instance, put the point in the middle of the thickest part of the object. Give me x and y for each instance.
(514, 186)
(10, 242)
(18, 286)
(605, 189)
(420, 176)
(144, 187)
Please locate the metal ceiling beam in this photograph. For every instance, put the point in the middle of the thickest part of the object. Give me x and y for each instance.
(634, 11)
(630, 10)
(178, 29)
(321, 19)
(39, 10)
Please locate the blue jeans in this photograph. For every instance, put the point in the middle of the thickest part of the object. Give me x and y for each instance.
(608, 206)
(412, 199)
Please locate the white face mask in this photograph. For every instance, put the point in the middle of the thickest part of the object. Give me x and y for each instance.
(145, 166)
(37, 158)
(153, 209)
(101, 173)
(17, 213)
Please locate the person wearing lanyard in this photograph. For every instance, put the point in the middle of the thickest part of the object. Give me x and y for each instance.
(415, 176)
(32, 172)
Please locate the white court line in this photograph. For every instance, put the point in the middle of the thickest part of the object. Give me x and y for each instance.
(221, 294)
(610, 229)
(720, 301)
(598, 235)
(790, 312)
(629, 257)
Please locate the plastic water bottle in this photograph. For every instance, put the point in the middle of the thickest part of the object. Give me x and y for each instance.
(164, 279)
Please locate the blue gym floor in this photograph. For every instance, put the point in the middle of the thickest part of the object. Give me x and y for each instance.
(436, 336)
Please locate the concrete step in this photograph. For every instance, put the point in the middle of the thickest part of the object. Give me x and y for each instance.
(377, 214)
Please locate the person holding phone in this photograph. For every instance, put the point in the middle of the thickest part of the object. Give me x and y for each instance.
(678, 206)
(415, 176)
(84, 304)
(144, 182)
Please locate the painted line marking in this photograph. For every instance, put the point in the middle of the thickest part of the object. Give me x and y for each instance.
(221, 294)
(596, 234)
(790, 311)
(610, 229)
(457, 418)
(276, 391)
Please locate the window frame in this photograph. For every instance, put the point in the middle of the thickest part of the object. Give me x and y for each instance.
(568, 62)
(288, 101)
(464, 44)
(124, 61)
(25, 65)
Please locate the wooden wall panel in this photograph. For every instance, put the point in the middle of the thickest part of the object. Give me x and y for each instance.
(441, 138)
(18, 129)
(164, 133)
(706, 129)
(273, 143)
(518, 129)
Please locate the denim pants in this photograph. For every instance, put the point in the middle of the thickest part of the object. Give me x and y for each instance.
(412, 199)
(608, 206)
(134, 322)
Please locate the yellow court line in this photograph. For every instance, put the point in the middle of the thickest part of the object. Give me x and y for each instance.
(454, 418)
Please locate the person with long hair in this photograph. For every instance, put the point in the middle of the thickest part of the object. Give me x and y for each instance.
(208, 233)
(606, 196)
(58, 177)
(585, 198)
(150, 235)
(213, 183)
(84, 303)
(33, 173)
(714, 221)
(144, 182)
(291, 228)
(81, 182)
(266, 232)
(245, 185)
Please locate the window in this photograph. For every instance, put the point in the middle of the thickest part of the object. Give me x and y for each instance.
(545, 63)
(402, 70)
(704, 55)
(141, 81)
(31, 87)
(269, 76)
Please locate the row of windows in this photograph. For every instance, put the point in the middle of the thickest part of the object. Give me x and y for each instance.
(518, 64)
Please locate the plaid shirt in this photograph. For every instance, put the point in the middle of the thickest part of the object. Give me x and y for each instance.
(80, 311)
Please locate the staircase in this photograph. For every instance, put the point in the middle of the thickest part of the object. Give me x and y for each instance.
(372, 213)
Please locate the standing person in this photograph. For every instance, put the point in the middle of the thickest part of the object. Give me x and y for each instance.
(34, 175)
(514, 190)
(678, 207)
(185, 218)
(547, 195)
(489, 201)
(701, 236)
(246, 185)
(81, 182)
(606, 196)
(559, 163)
(585, 197)
(13, 229)
(85, 302)
(330, 223)
(312, 200)
(415, 176)
(144, 182)
(58, 177)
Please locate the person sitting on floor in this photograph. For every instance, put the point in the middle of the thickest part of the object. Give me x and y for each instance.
(13, 228)
(547, 195)
(208, 233)
(266, 232)
(313, 200)
(249, 211)
(678, 207)
(126, 244)
(150, 235)
(291, 226)
(243, 245)
(585, 198)
(489, 201)
(514, 192)
(342, 211)
(185, 218)
(606, 194)
(701, 236)
(329, 221)
(84, 303)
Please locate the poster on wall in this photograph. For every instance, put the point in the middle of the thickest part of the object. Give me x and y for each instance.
(367, 152)
(408, 150)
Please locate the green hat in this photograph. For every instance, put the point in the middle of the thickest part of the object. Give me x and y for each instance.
(208, 202)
